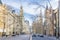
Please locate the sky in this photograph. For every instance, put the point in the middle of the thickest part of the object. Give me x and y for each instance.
(31, 8)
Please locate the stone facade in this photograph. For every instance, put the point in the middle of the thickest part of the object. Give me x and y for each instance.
(26, 27)
(17, 24)
(10, 22)
(2, 18)
(49, 21)
(38, 25)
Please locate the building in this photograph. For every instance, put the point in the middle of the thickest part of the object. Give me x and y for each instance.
(55, 21)
(16, 24)
(2, 18)
(23, 24)
(49, 26)
(58, 18)
(11, 23)
(38, 24)
(34, 27)
(5, 20)
(26, 27)
(21, 19)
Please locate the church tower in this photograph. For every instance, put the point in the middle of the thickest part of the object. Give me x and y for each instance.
(51, 18)
(41, 22)
(46, 11)
(21, 19)
(45, 22)
(49, 27)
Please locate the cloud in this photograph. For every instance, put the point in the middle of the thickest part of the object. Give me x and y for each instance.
(15, 5)
(27, 8)
(30, 9)
(54, 4)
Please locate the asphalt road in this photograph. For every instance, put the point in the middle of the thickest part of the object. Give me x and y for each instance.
(17, 37)
(44, 38)
(27, 37)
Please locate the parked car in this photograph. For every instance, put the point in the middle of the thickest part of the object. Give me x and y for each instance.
(37, 35)
(13, 34)
(33, 35)
(40, 35)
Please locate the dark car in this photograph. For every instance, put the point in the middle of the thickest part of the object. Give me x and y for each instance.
(13, 34)
(33, 35)
(40, 35)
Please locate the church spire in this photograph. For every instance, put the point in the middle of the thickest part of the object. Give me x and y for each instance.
(21, 18)
(46, 10)
(21, 11)
(46, 7)
(51, 9)
(40, 13)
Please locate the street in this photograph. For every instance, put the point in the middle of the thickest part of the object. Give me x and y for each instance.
(27, 37)
(17, 37)
(44, 38)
